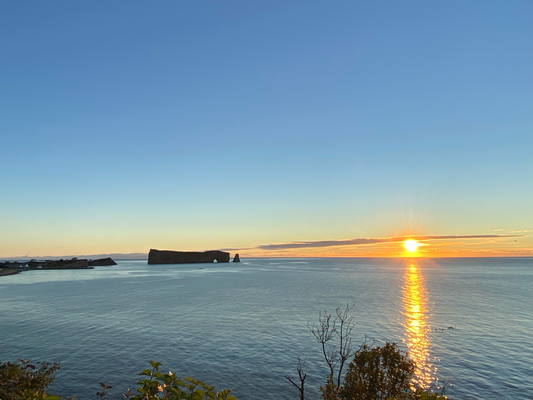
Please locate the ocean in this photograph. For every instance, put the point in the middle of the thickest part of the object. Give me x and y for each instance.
(467, 322)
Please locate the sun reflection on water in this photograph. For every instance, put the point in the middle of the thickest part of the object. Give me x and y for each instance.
(415, 323)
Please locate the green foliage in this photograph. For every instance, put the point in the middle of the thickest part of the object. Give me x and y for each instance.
(431, 396)
(158, 385)
(383, 373)
(379, 373)
(330, 390)
(24, 381)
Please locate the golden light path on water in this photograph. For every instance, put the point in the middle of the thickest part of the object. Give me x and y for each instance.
(415, 323)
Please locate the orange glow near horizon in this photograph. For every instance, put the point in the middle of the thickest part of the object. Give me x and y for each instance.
(415, 323)
(393, 250)
(400, 244)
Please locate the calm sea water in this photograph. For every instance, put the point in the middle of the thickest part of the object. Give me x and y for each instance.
(243, 325)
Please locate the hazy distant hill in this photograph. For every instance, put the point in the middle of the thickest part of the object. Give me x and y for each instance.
(114, 256)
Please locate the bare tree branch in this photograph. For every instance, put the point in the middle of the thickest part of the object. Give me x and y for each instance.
(301, 378)
(334, 333)
(344, 332)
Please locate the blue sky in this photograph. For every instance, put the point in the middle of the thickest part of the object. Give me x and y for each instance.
(127, 125)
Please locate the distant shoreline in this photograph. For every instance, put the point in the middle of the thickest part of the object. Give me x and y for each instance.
(13, 268)
(7, 272)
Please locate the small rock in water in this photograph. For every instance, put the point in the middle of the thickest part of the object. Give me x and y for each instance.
(236, 258)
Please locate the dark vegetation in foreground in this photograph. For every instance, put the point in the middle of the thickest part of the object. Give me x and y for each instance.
(369, 373)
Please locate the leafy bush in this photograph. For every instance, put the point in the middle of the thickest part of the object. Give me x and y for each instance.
(24, 381)
(158, 385)
(379, 373)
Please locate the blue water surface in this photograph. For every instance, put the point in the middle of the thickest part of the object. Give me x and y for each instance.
(243, 325)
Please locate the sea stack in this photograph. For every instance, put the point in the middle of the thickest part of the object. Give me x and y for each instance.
(236, 258)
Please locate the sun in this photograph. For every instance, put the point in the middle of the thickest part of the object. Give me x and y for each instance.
(411, 245)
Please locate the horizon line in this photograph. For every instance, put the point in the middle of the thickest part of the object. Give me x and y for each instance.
(272, 256)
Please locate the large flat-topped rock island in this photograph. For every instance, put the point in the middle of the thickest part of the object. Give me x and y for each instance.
(186, 257)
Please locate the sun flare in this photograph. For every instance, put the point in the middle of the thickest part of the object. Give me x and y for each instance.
(411, 245)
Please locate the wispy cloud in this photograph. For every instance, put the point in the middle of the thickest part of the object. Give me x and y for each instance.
(363, 241)
(513, 230)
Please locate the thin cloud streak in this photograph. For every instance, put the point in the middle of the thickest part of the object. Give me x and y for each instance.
(363, 241)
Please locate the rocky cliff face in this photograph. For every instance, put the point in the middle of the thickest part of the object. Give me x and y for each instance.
(186, 257)
(102, 262)
(66, 264)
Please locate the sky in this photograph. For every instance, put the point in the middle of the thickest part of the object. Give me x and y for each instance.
(273, 128)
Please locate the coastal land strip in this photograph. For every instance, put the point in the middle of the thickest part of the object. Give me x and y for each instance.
(154, 257)
(15, 267)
